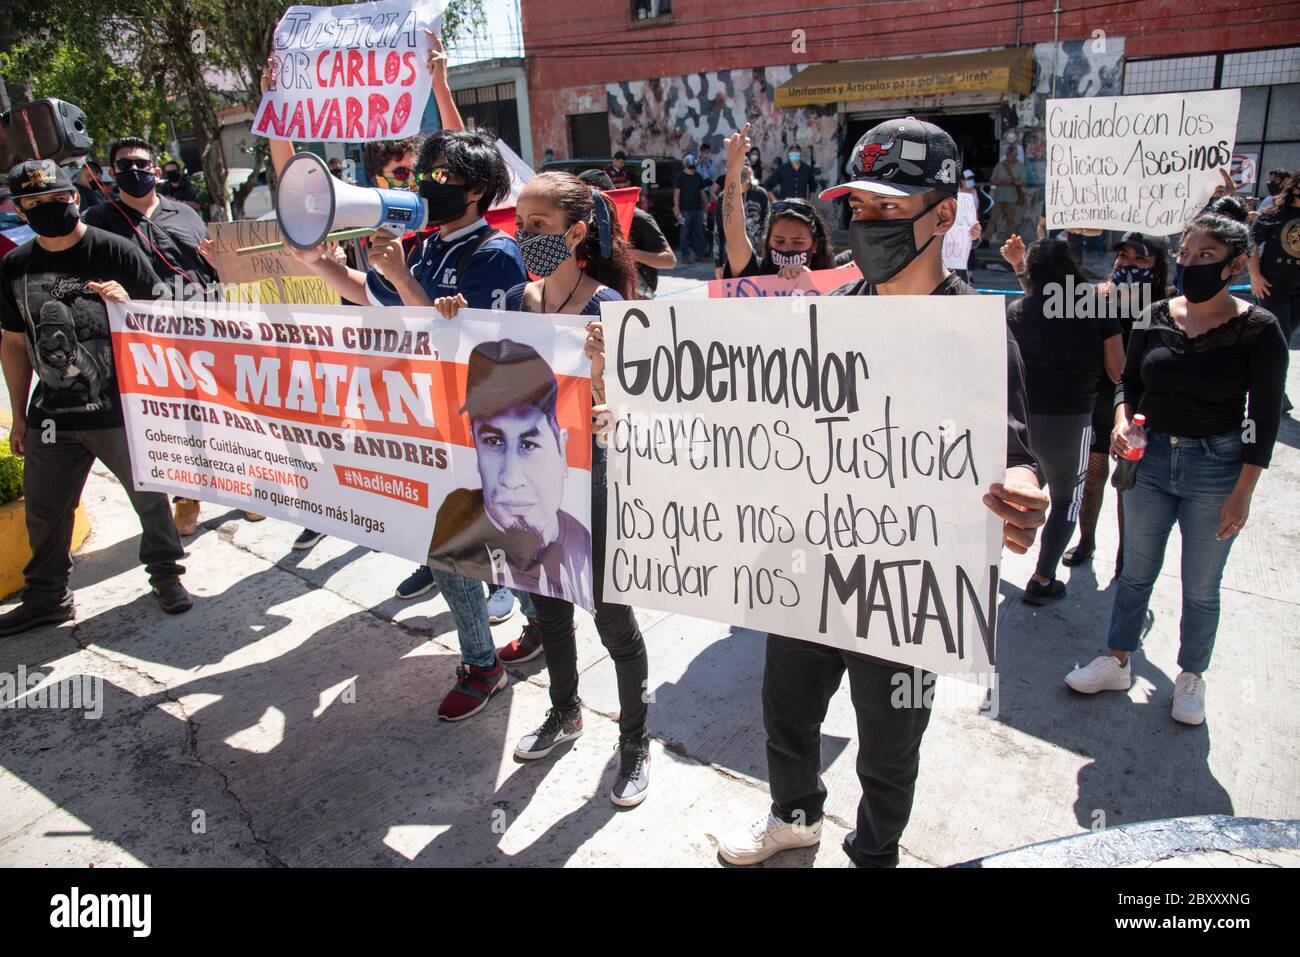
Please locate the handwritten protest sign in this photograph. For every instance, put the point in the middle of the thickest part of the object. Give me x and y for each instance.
(391, 428)
(812, 467)
(816, 282)
(1144, 163)
(271, 276)
(350, 74)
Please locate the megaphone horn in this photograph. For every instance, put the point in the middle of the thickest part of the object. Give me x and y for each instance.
(313, 206)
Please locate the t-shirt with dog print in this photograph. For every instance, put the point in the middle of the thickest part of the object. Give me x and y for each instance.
(43, 294)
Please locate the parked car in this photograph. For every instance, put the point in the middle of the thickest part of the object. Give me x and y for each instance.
(638, 167)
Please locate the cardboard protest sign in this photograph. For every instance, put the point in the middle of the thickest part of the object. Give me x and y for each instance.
(1146, 163)
(817, 282)
(350, 74)
(270, 276)
(466, 444)
(812, 467)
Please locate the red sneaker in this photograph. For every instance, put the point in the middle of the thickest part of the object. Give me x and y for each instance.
(524, 648)
(474, 687)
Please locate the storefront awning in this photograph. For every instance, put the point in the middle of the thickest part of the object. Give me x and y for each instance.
(1002, 71)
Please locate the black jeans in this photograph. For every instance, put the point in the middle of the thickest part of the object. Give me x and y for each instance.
(616, 625)
(54, 476)
(799, 679)
(1285, 304)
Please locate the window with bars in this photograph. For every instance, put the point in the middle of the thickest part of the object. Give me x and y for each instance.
(1172, 75)
(1261, 67)
(650, 9)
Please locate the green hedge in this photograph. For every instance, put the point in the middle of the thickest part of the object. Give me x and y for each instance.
(11, 474)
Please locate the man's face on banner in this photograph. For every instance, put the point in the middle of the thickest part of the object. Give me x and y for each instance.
(522, 466)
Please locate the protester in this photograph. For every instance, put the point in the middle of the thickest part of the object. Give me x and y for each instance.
(460, 175)
(335, 166)
(1276, 177)
(53, 291)
(1065, 351)
(797, 238)
(1204, 362)
(899, 210)
(617, 171)
(647, 244)
(569, 236)
(1008, 196)
(1138, 277)
(690, 197)
(792, 180)
(957, 242)
(755, 165)
(176, 185)
(756, 203)
(1275, 263)
(174, 238)
(707, 165)
(89, 180)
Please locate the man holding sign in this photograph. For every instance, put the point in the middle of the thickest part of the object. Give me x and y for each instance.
(903, 200)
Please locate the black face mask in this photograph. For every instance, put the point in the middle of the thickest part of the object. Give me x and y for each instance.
(53, 220)
(136, 182)
(1274, 188)
(882, 248)
(174, 175)
(1203, 282)
(446, 201)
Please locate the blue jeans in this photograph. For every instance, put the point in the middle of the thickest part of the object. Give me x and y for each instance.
(1185, 481)
(468, 603)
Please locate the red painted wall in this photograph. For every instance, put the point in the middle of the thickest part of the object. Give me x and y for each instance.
(586, 43)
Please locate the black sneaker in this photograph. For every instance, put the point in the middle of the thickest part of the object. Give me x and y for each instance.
(172, 597)
(1039, 594)
(23, 618)
(307, 539)
(1076, 555)
(633, 782)
(560, 725)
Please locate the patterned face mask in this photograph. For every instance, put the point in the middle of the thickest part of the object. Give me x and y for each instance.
(782, 260)
(1133, 275)
(543, 252)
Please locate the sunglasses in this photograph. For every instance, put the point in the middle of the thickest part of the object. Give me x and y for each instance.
(126, 165)
(437, 174)
(400, 172)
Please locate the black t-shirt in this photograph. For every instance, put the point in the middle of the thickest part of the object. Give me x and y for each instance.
(691, 185)
(646, 236)
(1017, 415)
(1063, 356)
(174, 229)
(1278, 240)
(1198, 387)
(757, 266)
(44, 295)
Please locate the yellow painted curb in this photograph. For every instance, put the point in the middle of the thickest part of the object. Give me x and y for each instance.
(15, 553)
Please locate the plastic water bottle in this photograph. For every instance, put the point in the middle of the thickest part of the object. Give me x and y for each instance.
(1125, 476)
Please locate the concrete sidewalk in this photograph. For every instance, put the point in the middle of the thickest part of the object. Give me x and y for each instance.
(289, 718)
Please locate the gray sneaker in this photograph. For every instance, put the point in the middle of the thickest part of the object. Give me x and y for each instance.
(633, 782)
(560, 725)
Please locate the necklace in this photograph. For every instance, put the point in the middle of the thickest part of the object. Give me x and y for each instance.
(566, 298)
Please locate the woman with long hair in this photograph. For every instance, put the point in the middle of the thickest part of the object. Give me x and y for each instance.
(1139, 276)
(1065, 351)
(569, 236)
(1275, 263)
(1206, 370)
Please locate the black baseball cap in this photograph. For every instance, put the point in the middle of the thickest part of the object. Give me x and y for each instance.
(39, 177)
(903, 157)
(504, 375)
(1143, 244)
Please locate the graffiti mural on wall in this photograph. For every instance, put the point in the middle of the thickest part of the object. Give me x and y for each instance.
(673, 115)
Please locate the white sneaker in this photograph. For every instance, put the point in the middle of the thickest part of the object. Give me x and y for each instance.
(765, 837)
(1101, 674)
(500, 605)
(1189, 698)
